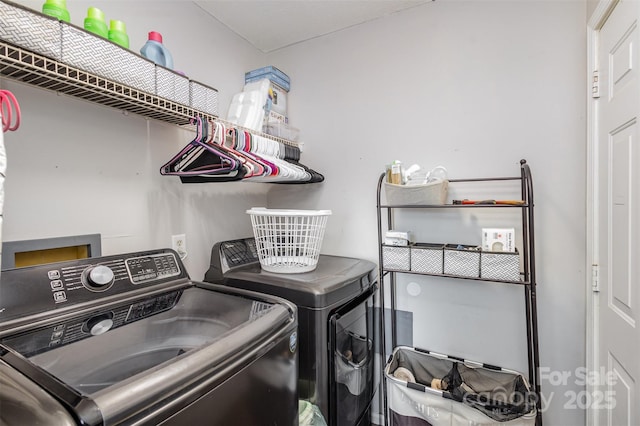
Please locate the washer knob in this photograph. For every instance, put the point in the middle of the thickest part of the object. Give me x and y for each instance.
(99, 277)
(99, 324)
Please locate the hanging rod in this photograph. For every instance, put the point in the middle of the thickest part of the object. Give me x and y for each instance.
(256, 133)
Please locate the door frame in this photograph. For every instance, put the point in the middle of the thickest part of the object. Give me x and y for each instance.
(595, 23)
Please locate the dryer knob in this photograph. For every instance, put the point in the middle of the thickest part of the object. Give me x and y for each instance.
(100, 276)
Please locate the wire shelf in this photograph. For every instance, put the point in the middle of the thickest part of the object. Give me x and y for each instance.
(37, 70)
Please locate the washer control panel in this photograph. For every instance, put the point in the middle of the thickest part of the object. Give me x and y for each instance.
(148, 268)
(90, 324)
(54, 286)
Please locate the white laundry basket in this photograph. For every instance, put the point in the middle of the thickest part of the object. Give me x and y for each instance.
(288, 241)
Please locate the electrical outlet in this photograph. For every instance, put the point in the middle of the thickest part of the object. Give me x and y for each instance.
(179, 244)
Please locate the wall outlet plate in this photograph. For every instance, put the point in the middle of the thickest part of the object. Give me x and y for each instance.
(179, 244)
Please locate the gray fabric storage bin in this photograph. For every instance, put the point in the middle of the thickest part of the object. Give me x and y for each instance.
(103, 58)
(433, 193)
(462, 261)
(503, 266)
(203, 98)
(171, 85)
(396, 258)
(470, 393)
(31, 30)
(427, 258)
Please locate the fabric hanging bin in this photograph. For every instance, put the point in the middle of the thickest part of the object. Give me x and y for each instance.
(353, 362)
(354, 376)
(429, 389)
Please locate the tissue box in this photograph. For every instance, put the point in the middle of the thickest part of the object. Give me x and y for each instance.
(498, 239)
(397, 238)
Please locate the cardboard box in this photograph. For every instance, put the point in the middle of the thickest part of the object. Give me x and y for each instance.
(269, 69)
(274, 77)
(273, 117)
(279, 101)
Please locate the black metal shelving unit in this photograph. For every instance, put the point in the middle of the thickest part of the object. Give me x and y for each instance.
(528, 281)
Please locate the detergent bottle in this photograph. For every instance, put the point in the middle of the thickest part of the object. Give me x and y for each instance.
(118, 33)
(155, 51)
(57, 9)
(95, 23)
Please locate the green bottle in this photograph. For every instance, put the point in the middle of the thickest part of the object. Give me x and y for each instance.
(118, 33)
(57, 9)
(94, 22)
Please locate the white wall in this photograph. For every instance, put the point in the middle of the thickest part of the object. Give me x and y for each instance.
(474, 86)
(75, 167)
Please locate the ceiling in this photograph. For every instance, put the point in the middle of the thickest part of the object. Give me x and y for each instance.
(272, 24)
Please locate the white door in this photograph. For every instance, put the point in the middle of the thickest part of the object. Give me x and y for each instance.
(618, 218)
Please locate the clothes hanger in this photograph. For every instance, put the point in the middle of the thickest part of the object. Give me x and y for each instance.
(239, 142)
(200, 158)
(237, 172)
(288, 172)
(219, 138)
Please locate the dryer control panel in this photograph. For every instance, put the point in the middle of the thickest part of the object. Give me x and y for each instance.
(231, 254)
(55, 286)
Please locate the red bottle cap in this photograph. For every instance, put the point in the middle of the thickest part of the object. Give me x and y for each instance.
(155, 36)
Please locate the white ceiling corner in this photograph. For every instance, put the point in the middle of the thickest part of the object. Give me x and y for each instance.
(273, 24)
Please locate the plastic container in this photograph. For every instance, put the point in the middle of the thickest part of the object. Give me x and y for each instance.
(155, 51)
(282, 130)
(57, 9)
(95, 23)
(288, 241)
(118, 33)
